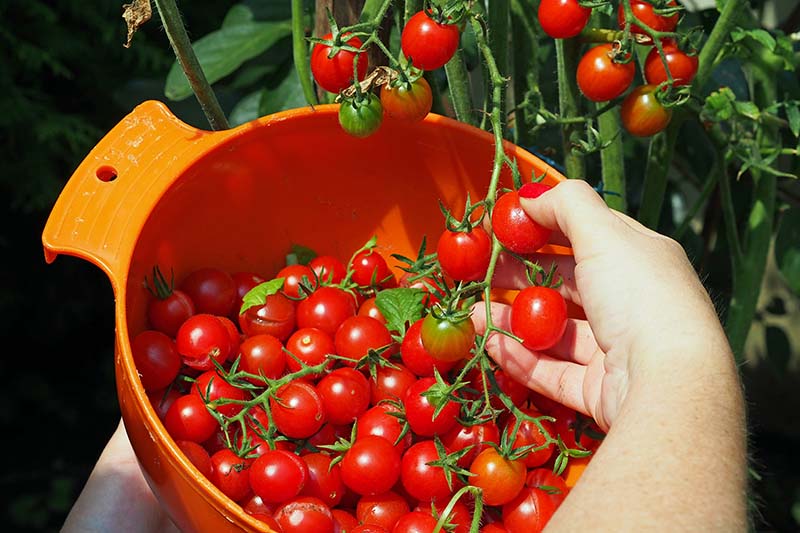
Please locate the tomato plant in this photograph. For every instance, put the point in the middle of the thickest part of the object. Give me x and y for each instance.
(562, 19)
(539, 317)
(464, 255)
(428, 43)
(642, 114)
(333, 69)
(682, 66)
(601, 77)
(447, 339)
(361, 117)
(407, 100)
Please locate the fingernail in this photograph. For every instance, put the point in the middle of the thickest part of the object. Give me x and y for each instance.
(533, 190)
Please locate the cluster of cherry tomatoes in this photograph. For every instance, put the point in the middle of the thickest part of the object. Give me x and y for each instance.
(606, 72)
(337, 60)
(352, 396)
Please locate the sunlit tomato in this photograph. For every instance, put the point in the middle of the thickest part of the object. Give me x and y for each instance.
(420, 410)
(169, 309)
(562, 19)
(212, 290)
(682, 66)
(326, 309)
(446, 339)
(262, 355)
(293, 276)
(546, 480)
(361, 117)
(478, 436)
(642, 114)
(276, 317)
(390, 383)
(371, 465)
(464, 255)
(324, 480)
(157, 359)
(427, 43)
(189, 419)
(255, 506)
(197, 455)
(513, 227)
(200, 339)
(645, 12)
(303, 515)
(343, 521)
(336, 73)
(230, 474)
(529, 434)
(459, 517)
(424, 481)
(371, 269)
(370, 309)
(309, 346)
(383, 510)
(357, 335)
(529, 512)
(407, 100)
(499, 478)
(214, 390)
(244, 282)
(538, 317)
(278, 476)
(600, 78)
(297, 410)
(416, 358)
(380, 421)
(345, 395)
(329, 269)
(415, 522)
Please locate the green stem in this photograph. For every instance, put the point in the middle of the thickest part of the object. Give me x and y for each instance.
(374, 11)
(716, 40)
(459, 87)
(300, 53)
(568, 98)
(526, 69)
(499, 23)
(182, 46)
(612, 159)
(705, 193)
(659, 155)
(729, 218)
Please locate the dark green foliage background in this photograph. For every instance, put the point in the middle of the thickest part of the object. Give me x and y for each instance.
(65, 80)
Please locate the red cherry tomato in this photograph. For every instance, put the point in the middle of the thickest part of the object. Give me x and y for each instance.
(276, 317)
(447, 340)
(642, 114)
(423, 481)
(529, 434)
(429, 44)
(370, 269)
(464, 255)
(326, 309)
(370, 309)
(358, 335)
(371, 465)
(156, 358)
(189, 419)
(682, 66)
(167, 312)
(231, 474)
(200, 339)
(562, 19)
(278, 476)
(293, 276)
(310, 346)
(478, 436)
(528, 512)
(304, 515)
(328, 269)
(499, 478)
(212, 290)
(262, 355)
(336, 73)
(213, 388)
(297, 410)
(546, 480)
(600, 78)
(513, 227)
(345, 395)
(382, 510)
(407, 100)
(197, 455)
(416, 358)
(379, 421)
(645, 12)
(390, 383)
(415, 522)
(420, 410)
(538, 317)
(324, 480)
(244, 282)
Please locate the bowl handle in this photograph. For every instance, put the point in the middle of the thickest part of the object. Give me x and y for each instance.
(103, 206)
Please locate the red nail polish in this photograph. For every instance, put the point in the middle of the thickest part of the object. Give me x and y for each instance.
(533, 190)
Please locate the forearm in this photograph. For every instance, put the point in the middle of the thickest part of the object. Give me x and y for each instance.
(675, 457)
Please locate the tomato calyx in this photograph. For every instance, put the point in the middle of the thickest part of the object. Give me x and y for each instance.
(539, 277)
(465, 224)
(158, 285)
(440, 393)
(448, 462)
(451, 13)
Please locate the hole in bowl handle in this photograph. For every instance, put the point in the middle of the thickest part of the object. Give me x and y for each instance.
(101, 209)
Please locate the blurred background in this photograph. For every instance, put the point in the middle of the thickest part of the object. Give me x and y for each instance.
(66, 79)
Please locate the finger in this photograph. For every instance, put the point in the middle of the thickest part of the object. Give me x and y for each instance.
(557, 379)
(577, 344)
(510, 273)
(576, 209)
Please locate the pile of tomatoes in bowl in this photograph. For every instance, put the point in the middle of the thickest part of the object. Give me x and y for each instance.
(342, 394)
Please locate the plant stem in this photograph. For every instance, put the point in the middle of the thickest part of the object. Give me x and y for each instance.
(716, 40)
(612, 159)
(374, 11)
(729, 218)
(659, 154)
(459, 87)
(300, 53)
(182, 46)
(708, 188)
(499, 27)
(526, 68)
(568, 98)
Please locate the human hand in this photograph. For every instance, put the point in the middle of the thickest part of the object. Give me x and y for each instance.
(117, 497)
(648, 316)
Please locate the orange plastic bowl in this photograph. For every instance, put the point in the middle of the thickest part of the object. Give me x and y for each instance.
(155, 191)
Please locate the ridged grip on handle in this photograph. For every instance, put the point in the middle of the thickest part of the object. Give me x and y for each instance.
(104, 204)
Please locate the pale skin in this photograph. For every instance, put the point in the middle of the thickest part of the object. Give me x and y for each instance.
(651, 364)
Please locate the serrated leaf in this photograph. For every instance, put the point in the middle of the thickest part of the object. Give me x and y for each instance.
(238, 14)
(258, 294)
(747, 109)
(223, 51)
(787, 248)
(246, 109)
(761, 36)
(400, 306)
(719, 105)
(793, 116)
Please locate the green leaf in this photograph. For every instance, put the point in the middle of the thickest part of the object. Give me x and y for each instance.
(238, 14)
(223, 51)
(400, 306)
(287, 95)
(787, 247)
(793, 116)
(719, 106)
(246, 109)
(258, 294)
(761, 36)
(747, 109)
